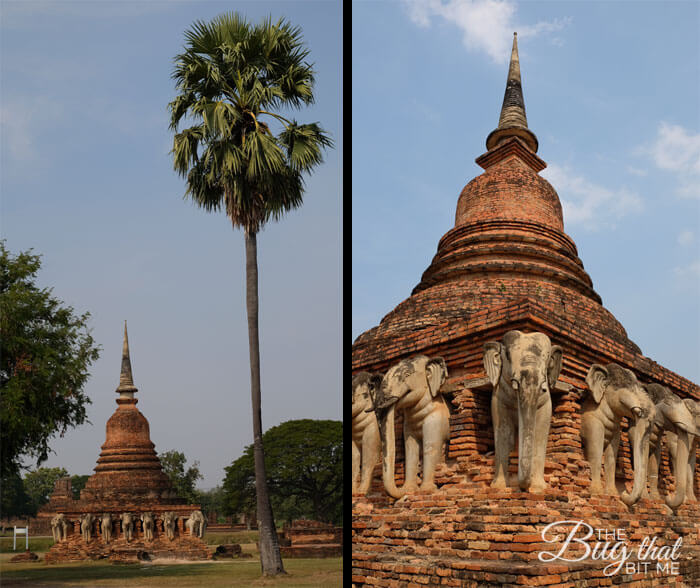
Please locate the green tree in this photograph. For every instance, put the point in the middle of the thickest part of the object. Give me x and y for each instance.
(14, 500)
(233, 77)
(39, 484)
(183, 480)
(211, 500)
(45, 352)
(304, 462)
(77, 483)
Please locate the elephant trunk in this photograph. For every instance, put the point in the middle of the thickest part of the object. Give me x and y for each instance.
(386, 422)
(680, 470)
(640, 457)
(526, 434)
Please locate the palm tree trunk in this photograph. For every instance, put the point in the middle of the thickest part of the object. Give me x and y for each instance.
(270, 558)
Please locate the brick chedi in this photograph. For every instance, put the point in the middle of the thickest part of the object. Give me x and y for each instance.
(507, 264)
(128, 480)
(128, 468)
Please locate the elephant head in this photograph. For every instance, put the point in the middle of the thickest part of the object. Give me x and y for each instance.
(618, 389)
(366, 446)
(413, 385)
(523, 368)
(364, 390)
(676, 415)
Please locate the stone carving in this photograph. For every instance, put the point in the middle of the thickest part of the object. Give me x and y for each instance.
(86, 526)
(127, 520)
(59, 528)
(106, 523)
(196, 524)
(616, 393)
(675, 416)
(694, 407)
(366, 445)
(413, 386)
(148, 524)
(169, 520)
(523, 368)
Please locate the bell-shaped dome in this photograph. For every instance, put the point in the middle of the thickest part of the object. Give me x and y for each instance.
(128, 467)
(508, 245)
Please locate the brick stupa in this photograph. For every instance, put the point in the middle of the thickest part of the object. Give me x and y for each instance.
(507, 264)
(128, 478)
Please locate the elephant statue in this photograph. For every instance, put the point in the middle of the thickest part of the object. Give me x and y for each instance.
(675, 416)
(106, 523)
(127, 520)
(59, 528)
(413, 386)
(523, 368)
(366, 444)
(86, 526)
(196, 524)
(615, 393)
(169, 521)
(694, 407)
(148, 524)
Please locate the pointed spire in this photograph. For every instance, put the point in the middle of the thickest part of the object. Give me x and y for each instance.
(126, 381)
(513, 121)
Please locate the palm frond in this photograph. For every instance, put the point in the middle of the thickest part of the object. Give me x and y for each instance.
(230, 71)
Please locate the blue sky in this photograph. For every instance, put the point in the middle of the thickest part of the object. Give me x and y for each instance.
(86, 180)
(612, 93)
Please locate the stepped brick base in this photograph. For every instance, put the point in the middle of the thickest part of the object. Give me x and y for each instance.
(75, 549)
(319, 550)
(467, 534)
(311, 539)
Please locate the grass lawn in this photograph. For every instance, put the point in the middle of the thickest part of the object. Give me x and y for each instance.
(214, 574)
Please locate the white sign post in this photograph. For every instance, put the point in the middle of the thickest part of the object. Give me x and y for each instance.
(20, 531)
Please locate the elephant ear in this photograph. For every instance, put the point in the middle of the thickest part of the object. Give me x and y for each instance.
(554, 366)
(492, 361)
(435, 374)
(693, 406)
(597, 379)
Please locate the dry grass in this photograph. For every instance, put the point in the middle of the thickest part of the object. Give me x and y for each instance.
(235, 573)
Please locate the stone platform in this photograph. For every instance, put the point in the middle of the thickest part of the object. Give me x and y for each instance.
(183, 546)
(468, 534)
(311, 539)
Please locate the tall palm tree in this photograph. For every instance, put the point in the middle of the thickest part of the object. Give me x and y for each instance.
(234, 79)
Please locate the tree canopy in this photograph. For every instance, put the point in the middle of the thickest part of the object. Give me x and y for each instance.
(39, 484)
(304, 463)
(183, 480)
(231, 78)
(45, 352)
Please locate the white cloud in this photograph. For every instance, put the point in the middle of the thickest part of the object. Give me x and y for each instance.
(636, 171)
(688, 273)
(677, 150)
(588, 204)
(686, 238)
(20, 124)
(486, 25)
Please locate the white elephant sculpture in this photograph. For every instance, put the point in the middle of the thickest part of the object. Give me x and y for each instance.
(59, 527)
(523, 368)
(413, 386)
(196, 524)
(677, 450)
(674, 416)
(148, 524)
(169, 522)
(127, 520)
(86, 526)
(366, 444)
(106, 524)
(615, 392)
